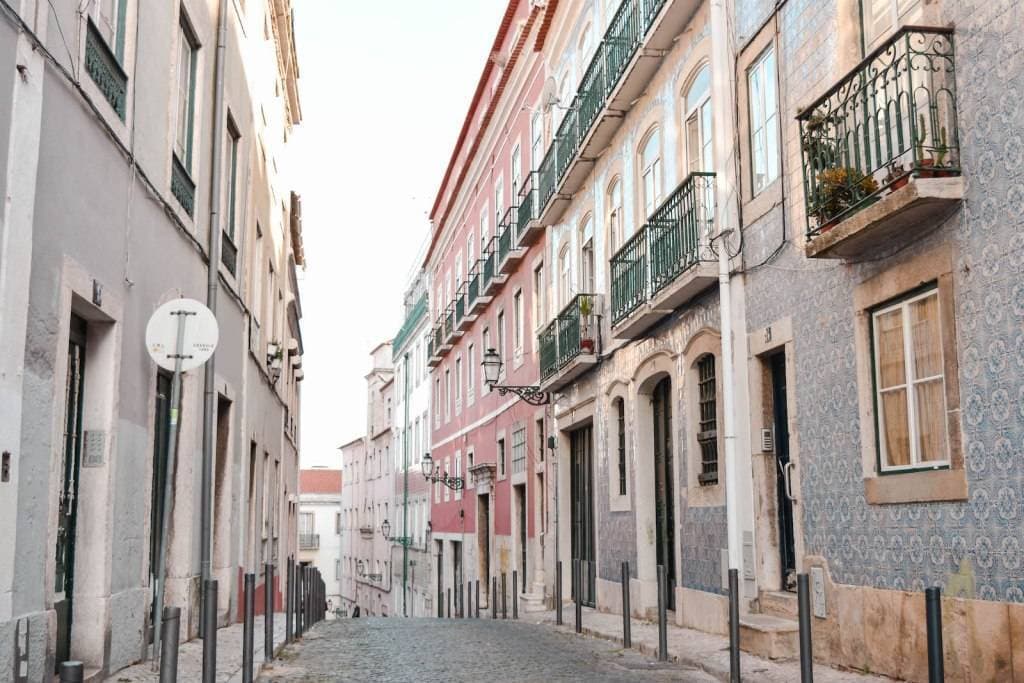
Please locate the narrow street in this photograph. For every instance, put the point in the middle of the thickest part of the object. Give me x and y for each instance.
(425, 650)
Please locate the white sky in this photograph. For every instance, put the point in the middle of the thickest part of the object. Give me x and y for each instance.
(384, 87)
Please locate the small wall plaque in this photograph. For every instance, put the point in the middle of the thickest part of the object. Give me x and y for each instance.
(93, 452)
(818, 592)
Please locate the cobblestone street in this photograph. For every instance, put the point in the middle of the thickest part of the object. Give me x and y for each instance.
(424, 650)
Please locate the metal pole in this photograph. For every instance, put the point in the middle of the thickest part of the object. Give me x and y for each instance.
(248, 619)
(734, 626)
(577, 578)
(803, 596)
(405, 493)
(478, 598)
(72, 672)
(504, 598)
(299, 623)
(440, 586)
(169, 651)
(558, 592)
(933, 617)
(309, 597)
(662, 616)
(515, 595)
(494, 597)
(449, 603)
(268, 614)
(172, 449)
(210, 637)
(462, 600)
(627, 638)
(290, 577)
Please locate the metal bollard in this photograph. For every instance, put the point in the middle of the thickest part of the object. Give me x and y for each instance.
(210, 631)
(169, 628)
(462, 601)
(268, 614)
(515, 596)
(734, 625)
(288, 619)
(803, 596)
(72, 672)
(662, 616)
(627, 638)
(504, 598)
(309, 597)
(494, 597)
(300, 612)
(248, 624)
(558, 592)
(469, 596)
(577, 578)
(478, 598)
(933, 618)
(449, 603)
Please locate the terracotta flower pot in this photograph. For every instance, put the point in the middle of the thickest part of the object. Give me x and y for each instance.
(587, 345)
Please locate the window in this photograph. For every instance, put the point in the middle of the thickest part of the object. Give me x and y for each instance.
(517, 322)
(501, 457)
(764, 124)
(698, 122)
(471, 363)
(516, 173)
(541, 446)
(186, 96)
(707, 431)
(536, 139)
(584, 51)
(620, 413)
(538, 295)
(447, 395)
(614, 203)
(910, 394)
(587, 282)
(229, 250)
(519, 450)
(337, 570)
(437, 402)
(109, 18)
(882, 16)
(501, 338)
(458, 383)
(446, 470)
(485, 344)
(337, 522)
(650, 172)
(470, 252)
(564, 276)
(484, 229)
(499, 202)
(458, 472)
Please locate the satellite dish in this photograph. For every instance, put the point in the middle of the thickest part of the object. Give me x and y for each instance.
(549, 94)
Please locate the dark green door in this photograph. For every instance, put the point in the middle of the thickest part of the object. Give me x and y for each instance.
(582, 488)
(663, 490)
(64, 578)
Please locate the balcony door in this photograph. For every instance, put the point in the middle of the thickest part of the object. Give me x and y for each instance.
(664, 502)
(582, 501)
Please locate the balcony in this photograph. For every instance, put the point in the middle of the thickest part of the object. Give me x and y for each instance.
(476, 301)
(309, 541)
(571, 343)
(464, 317)
(105, 71)
(366, 531)
(639, 36)
(451, 332)
(880, 150)
(528, 226)
(667, 262)
(412, 321)
(491, 278)
(182, 187)
(509, 251)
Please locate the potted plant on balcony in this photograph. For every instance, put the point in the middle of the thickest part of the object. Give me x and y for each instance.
(840, 189)
(934, 167)
(896, 176)
(587, 341)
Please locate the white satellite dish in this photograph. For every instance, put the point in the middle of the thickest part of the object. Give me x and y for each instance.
(199, 338)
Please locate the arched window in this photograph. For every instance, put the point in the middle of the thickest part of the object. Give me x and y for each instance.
(620, 442)
(614, 203)
(564, 101)
(587, 281)
(698, 122)
(584, 51)
(564, 276)
(650, 172)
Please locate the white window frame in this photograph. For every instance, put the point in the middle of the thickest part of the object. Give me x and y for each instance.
(909, 386)
(616, 232)
(650, 185)
(769, 121)
(898, 12)
(516, 170)
(698, 116)
(538, 294)
(518, 324)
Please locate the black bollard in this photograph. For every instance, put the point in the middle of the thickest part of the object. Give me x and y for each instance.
(494, 597)
(577, 577)
(248, 619)
(72, 672)
(933, 618)
(803, 596)
(627, 638)
(558, 592)
(169, 629)
(462, 601)
(734, 626)
(268, 614)
(478, 598)
(300, 612)
(449, 603)
(515, 595)
(469, 596)
(504, 598)
(210, 632)
(662, 616)
(288, 619)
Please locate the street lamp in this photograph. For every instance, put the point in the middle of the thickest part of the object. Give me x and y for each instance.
(385, 529)
(492, 370)
(454, 483)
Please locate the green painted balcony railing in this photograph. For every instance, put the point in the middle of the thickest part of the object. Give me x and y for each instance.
(573, 331)
(529, 205)
(439, 334)
(460, 304)
(412, 321)
(893, 115)
(182, 187)
(473, 286)
(103, 68)
(624, 36)
(449, 321)
(667, 245)
(504, 239)
(487, 265)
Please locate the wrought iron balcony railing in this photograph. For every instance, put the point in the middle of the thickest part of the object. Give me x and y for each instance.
(893, 115)
(449, 320)
(573, 332)
(487, 261)
(438, 334)
(182, 187)
(103, 68)
(309, 541)
(507, 234)
(412, 321)
(623, 38)
(228, 253)
(473, 286)
(673, 240)
(460, 304)
(529, 204)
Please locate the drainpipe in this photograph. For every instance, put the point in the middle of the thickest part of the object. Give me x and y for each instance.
(212, 285)
(405, 489)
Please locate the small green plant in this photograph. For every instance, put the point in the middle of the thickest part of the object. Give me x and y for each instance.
(585, 306)
(942, 149)
(919, 141)
(841, 188)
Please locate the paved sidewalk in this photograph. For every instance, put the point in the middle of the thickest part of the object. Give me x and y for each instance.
(704, 651)
(229, 656)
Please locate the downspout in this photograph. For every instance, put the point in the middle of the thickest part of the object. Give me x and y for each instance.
(212, 285)
(405, 488)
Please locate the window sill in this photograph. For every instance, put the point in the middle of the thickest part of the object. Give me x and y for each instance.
(916, 487)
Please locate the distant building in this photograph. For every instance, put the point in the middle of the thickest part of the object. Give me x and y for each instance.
(320, 526)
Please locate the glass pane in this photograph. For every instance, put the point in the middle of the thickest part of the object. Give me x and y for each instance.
(694, 148)
(705, 129)
(699, 88)
(891, 368)
(931, 416)
(756, 98)
(650, 152)
(896, 437)
(926, 337)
